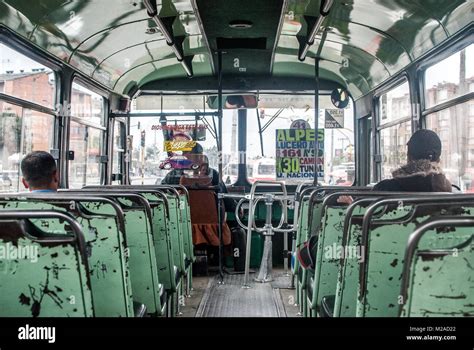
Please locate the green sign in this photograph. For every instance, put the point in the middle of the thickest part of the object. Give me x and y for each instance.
(295, 150)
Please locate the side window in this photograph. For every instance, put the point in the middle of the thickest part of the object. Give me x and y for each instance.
(450, 78)
(26, 79)
(394, 128)
(446, 81)
(22, 129)
(86, 136)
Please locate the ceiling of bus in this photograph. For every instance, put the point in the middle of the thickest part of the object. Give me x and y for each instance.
(361, 43)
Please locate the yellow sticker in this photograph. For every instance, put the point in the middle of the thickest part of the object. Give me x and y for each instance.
(175, 146)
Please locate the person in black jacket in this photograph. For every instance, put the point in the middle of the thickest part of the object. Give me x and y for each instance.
(423, 172)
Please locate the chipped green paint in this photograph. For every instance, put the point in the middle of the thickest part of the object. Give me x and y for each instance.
(387, 240)
(108, 263)
(312, 224)
(140, 248)
(185, 219)
(176, 233)
(188, 246)
(301, 236)
(55, 284)
(443, 286)
(162, 242)
(327, 262)
(348, 273)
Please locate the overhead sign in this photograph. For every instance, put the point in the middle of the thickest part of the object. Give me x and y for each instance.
(295, 157)
(334, 119)
(195, 132)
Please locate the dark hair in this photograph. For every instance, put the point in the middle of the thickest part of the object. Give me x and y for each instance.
(38, 168)
(424, 144)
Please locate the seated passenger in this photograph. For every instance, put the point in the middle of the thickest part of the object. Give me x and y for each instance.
(423, 172)
(39, 172)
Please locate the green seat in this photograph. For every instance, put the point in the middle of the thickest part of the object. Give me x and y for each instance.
(348, 273)
(162, 235)
(309, 218)
(162, 238)
(345, 300)
(178, 223)
(103, 226)
(310, 221)
(385, 239)
(328, 220)
(323, 281)
(437, 281)
(43, 274)
(173, 223)
(144, 273)
(187, 238)
(179, 199)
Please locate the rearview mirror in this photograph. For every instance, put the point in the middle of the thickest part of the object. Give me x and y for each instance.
(233, 101)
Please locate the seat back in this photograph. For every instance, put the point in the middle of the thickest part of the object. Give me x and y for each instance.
(140, 244)
(329, 250)
(104, 231)
(437, 280)
(385, 239)
(43, 274)
(204, 213)
(348, 271)
(186, 226)
(166, 239)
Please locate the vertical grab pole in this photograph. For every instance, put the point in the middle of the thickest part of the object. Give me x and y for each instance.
(316, 118)
(219, 158)
(265, 271)
(249, 235)
(284, 209)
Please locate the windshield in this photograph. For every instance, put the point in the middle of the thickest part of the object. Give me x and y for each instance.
(284, 123)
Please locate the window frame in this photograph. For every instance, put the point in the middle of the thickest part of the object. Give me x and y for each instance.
(421, 73)
(122, 123)
(14, 44)
(102, 127)
(458, 43)
(397, 81)
(11, 41)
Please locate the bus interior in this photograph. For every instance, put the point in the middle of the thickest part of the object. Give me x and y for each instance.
(203, 145)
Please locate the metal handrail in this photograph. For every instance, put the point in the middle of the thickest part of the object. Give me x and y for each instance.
(413, 240)
(251, 219)
(49, 214)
